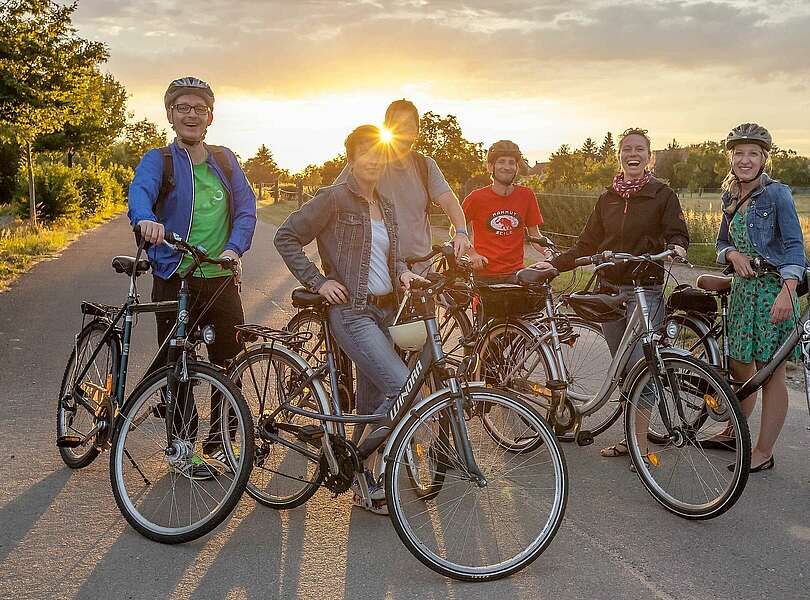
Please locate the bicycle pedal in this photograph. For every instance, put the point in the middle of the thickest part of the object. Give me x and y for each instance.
(68, 441)
(584, 438)
(308, 433)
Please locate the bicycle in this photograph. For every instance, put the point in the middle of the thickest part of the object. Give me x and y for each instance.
(669, 394)
(165, 488)
(453, 529)
(694, 324)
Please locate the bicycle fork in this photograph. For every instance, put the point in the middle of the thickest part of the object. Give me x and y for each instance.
(461, 438)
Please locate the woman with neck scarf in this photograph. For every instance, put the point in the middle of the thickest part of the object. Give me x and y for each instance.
(638, 214)
(759, 221)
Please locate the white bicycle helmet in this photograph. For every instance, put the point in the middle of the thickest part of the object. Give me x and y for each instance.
(410, 335)
(188, 85)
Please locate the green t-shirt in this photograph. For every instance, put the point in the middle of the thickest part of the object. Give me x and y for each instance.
(210, 220)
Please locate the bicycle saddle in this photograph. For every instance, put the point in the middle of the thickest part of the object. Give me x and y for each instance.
(714, 283)
(535, 276)
(302, 297)
(125, 264)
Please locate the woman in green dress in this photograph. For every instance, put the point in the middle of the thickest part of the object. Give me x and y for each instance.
(760, 221)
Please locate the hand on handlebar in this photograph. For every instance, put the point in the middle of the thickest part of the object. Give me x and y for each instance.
(408, 277)
(741, 263)
(236, 264)
(478, 261)
(151, 231)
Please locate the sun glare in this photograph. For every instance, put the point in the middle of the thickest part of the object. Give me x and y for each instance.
(385, 135)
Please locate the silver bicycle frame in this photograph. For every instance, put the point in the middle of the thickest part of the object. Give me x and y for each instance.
(638, 328)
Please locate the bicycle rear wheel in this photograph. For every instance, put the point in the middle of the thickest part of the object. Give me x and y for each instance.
(78, 412)
(178, 496)
(685, 478)
(282, 478)
(471, 532)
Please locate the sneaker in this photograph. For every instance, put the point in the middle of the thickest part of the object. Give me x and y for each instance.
(197, 469)
(217, 453)
(377, 492)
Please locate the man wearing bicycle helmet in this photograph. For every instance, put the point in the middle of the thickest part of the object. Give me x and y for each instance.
(199, 192)
(759, 220)
(498, 215)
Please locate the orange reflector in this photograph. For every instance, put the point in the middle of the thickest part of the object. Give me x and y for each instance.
(540, 390)
(653, 458)
(419, 449)
(711, 402)
(108, 386)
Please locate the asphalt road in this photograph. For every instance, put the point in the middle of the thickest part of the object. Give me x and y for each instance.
(61, 535)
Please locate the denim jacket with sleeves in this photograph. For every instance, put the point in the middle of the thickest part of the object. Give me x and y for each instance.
(773, 228)
(338, 218)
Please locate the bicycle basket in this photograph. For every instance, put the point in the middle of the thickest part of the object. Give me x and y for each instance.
(598, 308)
(691, 299)
(504, 300)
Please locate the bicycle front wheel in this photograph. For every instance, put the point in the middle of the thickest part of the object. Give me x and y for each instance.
(684, 477)
(178, 494)
(479, 531)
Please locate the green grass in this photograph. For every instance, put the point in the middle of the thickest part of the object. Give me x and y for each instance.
(21, 245)
(275, 213)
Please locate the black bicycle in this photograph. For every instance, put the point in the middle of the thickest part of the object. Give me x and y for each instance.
(162, 437)
(490, 513)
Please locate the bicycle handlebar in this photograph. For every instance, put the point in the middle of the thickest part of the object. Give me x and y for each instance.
(608, 257)
(542, 240)
(199, 253)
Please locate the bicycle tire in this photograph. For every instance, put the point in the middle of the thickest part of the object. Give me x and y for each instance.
(180, 476)
(544, 506)
(248, 372)
(104, 374)
(706, 382)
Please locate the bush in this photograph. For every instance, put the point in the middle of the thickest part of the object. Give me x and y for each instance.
(58, 196)
(122, 175)
(98, 188)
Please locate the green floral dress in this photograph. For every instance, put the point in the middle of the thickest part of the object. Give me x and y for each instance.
(752, 336)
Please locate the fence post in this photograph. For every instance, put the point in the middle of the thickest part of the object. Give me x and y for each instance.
(261, 190)
(276, 192)
(299, 191)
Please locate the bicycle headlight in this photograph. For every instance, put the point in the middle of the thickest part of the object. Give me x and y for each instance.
(672, 330)
(208, 335)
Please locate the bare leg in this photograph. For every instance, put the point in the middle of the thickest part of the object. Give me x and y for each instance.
(774, 411)
(743, 372)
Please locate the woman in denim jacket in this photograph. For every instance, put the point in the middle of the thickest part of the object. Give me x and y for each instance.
(759, 220)
(356, 233)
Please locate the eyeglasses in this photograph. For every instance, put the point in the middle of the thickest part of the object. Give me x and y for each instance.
(185, 109)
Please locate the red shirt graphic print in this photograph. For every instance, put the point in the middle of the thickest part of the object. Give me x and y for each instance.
(498, 224)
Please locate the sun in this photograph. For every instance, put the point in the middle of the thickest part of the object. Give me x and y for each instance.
(386, 136)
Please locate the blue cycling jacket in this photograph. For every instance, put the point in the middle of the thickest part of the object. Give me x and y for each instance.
(773, 228)
(178, 205)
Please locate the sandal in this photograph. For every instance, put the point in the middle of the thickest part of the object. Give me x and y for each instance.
(616, 450)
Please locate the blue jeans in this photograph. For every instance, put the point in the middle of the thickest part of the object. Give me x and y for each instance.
(614, 330)
(364, 337)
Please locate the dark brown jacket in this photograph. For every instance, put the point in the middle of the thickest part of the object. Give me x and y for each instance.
(644, 223)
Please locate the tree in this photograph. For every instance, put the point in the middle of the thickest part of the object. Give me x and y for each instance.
(608, 147)
(441, 139)
(96, 119)
(589, 150)
(43, 64)
(9, 165)
(262, 168)
(310, 176)
(139, 138)
(705, 168)
(332, 168)
(790, 168)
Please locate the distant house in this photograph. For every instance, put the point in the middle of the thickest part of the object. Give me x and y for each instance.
(539, 168)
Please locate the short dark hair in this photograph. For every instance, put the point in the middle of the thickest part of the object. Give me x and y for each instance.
(361, 135)
(397, 106)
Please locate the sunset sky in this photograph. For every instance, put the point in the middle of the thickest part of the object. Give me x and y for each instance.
(298, 75)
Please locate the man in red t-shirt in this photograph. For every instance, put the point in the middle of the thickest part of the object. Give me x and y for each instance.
(497, 216)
